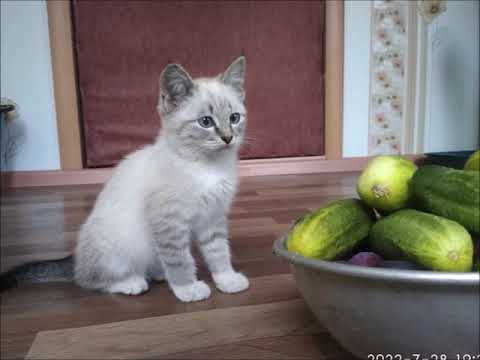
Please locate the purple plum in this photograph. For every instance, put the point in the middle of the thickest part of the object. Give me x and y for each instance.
(366, 258)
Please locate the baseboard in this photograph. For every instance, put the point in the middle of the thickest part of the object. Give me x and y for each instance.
(19, 179)
(299, 165)
(257, 167)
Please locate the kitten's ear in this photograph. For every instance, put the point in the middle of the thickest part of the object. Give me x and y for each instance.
(235, 76)
(175, 85)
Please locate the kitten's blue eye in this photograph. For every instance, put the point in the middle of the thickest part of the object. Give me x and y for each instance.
(206, 122)
(235, 118)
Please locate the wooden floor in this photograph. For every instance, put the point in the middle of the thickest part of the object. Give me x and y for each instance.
(269, 321)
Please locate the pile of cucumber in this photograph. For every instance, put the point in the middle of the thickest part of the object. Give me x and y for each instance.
(425, 216)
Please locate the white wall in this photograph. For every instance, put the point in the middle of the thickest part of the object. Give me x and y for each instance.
(356, 81)
(26, 78)
(452, 103)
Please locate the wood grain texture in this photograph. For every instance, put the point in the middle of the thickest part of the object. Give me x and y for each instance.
(334, 27)
(280, 347)
(247, 168)
(64, 84)
(42, 223)
(43, 307)
(163, 335)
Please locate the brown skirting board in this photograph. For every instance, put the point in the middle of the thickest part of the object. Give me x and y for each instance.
(257, 167)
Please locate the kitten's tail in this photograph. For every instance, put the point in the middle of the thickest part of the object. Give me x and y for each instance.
(38, 272)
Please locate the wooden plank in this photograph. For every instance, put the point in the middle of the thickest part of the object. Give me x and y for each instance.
(32, 308)
(334, 79)
(298, 165)
(313, 347)
(157, 336)
(247, 168)
(20, 179)
(64, 84)
(74, 303)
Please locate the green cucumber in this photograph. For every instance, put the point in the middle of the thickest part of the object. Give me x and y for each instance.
(331, 231)
(473, 162)
(453, 194)
(428, 240)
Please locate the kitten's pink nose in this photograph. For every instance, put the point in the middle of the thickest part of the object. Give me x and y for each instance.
(226, 138)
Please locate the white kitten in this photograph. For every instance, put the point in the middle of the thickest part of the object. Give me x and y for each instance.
(167, 194)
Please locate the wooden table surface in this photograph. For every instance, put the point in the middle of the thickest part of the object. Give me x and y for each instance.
(269, 321)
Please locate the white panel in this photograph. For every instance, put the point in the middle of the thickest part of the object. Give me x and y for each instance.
(26, 78)
(452, 99)
(356, 78)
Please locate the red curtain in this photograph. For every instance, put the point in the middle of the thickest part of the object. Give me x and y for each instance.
(122, 46)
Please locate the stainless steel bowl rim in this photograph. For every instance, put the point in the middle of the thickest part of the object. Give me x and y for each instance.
(386, 274)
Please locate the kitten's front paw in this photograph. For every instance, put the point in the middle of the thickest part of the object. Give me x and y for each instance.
(231, 282)
(192, 292)
(130, 286)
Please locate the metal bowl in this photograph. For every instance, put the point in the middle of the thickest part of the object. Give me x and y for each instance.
(389, 311)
